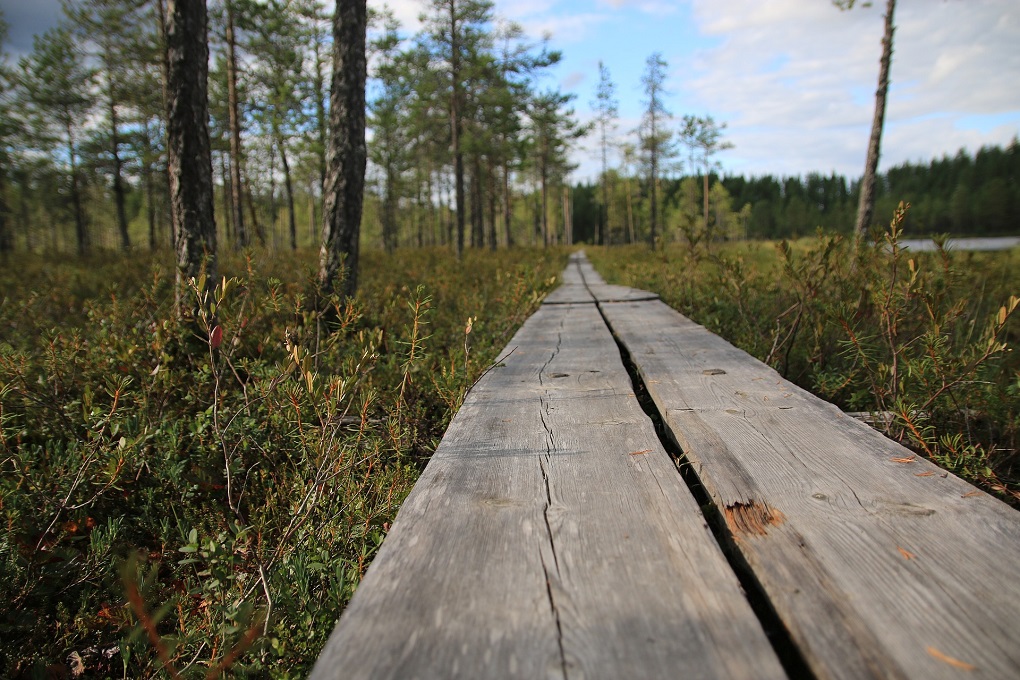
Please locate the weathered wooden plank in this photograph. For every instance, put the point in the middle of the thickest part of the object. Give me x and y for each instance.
(550, 536)
(606, 293)
(879, 563)
(581, 283)
(569, 294)
(585, 268)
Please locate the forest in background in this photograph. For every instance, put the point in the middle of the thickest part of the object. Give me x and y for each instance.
(963, 195)
(83, 164)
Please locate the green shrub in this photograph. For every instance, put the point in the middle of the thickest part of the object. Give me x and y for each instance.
(206, 494)
(922, 341)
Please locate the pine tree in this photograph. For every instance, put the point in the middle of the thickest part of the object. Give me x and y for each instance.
(108, 27)
(346, 153)
(189, 158)
(8, 131)
(391, 145)
(703, 137)
(606, 106)
(866, 206)
(656, 137)
(552, 128)
(457, 29)
(57, 84)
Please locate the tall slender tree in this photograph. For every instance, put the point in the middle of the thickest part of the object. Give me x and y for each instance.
(317, 31)
(457, 29)
(7, 133)
(391, 148)
(606, 106)
(277, 42)
(346, 155)
(242, 239)
(109, 28)
(656, 137)
(189, 158)
(866, 204)
(58, 83)
(552, 128)
(703, 137)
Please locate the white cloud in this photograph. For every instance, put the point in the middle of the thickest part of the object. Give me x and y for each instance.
(796, 80)
(653, 7)
(565, 28)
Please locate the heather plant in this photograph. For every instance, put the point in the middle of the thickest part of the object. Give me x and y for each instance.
(198, 497)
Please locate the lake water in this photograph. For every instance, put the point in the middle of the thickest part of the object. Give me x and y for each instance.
(989, 243)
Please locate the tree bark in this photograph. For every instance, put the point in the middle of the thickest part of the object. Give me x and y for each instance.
(866, 205)
(189, 158)
(347, 154)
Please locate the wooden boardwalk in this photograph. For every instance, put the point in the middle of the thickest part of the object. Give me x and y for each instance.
(552, 535)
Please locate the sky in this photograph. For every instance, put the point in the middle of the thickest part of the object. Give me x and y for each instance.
(793, 80)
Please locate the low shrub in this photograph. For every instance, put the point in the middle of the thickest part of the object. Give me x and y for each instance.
(921, 341)
(191, 496)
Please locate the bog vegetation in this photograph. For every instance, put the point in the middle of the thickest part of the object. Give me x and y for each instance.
(178, 495)
(198, 493)
(920, 344)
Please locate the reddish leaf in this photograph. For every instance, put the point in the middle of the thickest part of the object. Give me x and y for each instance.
(216, 336)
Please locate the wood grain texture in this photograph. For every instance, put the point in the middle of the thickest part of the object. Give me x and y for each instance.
(569, 294)
(581, 283)
(550, 536)
(879, 563)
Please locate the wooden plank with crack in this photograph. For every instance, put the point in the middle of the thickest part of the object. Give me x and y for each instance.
(550, 536)
(880, 564)
(581, 283)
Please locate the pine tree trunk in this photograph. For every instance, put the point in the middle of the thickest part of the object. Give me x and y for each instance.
(491, 233)
(80, 225)
(507, 207)
(708, 233)
(164, 78)
(545, 207)
(630, 213)
(866, 205)
(228, 207)
(455, 127)
(654, 208)
(6, 235)
(289, 188)
(234, 122)
(118, 181)
(150, 189)
(189, 159)
(477, 227)
(347, 154)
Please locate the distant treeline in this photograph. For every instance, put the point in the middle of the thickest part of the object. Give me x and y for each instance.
(961, 195)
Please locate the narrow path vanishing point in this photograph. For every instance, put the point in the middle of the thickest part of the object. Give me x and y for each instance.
(551, 534)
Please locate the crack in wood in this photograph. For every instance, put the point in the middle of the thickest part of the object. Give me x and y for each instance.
(550, 446)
